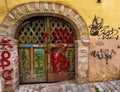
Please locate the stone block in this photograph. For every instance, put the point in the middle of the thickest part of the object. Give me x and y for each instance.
(37, 7)
(82, 60)
(76, 17)
(62, 7)
(82, 67)
(82, 73)
(51, 89)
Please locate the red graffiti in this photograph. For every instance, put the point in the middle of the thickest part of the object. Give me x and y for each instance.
(6, 43)
(6, 74)
(45, 35)
(4, 62)
(59, 61)
(63, 36)
(16, 61)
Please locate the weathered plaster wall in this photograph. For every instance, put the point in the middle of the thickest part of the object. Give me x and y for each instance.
(104, 51)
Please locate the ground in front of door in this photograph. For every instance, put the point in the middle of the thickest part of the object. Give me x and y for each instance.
(109, 86)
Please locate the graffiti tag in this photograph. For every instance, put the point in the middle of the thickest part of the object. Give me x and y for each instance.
(59, 61)
(100, 43)
(118, 46)
(109, 34)
(103, 54)
(6, 43)
(4, 62)
(7, 75)
(97, 28)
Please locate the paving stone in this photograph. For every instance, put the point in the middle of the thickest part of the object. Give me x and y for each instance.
(117, 82)
(99, 87)
(63, 88)
(30, 90)
(105, 88)
(92, 88)
(24, 90)
(117, 87)
(110, 86)
(20, 90)
(112, 82)
(35, 91)
(115, 91)
(69, 89)
(86, 90)
(85, 86)
(80, 88)
(51, 89)
(74, 87)
(37, 87)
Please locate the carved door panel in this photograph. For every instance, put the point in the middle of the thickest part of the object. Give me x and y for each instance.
(46, 50)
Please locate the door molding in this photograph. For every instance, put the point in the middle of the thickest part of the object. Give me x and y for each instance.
(17, 15)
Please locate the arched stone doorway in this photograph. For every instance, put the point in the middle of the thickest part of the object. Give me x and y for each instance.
(46, 50)
(25, 11)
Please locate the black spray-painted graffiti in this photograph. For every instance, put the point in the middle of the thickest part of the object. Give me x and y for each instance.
(97, 28)
(99, 43)
(103, 54)
(118, 46)
(109, 34)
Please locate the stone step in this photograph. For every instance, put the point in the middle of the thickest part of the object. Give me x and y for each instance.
(110, 86)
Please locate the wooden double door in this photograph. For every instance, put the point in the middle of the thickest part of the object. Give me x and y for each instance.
(46, 50)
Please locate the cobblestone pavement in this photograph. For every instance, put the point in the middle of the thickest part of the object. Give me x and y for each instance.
(109, 86)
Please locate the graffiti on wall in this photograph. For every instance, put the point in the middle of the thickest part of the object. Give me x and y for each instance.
(118, 46)
(103, 32)
(99, 43)
(103, 54)
(6, 72)
(6, 43)
(97, 28)
(4, 63)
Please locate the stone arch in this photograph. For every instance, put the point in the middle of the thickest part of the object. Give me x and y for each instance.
(22, 12)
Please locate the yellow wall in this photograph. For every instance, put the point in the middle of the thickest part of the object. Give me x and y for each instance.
(108, 9)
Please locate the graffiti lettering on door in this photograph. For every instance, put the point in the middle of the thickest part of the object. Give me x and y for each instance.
(58, 61)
